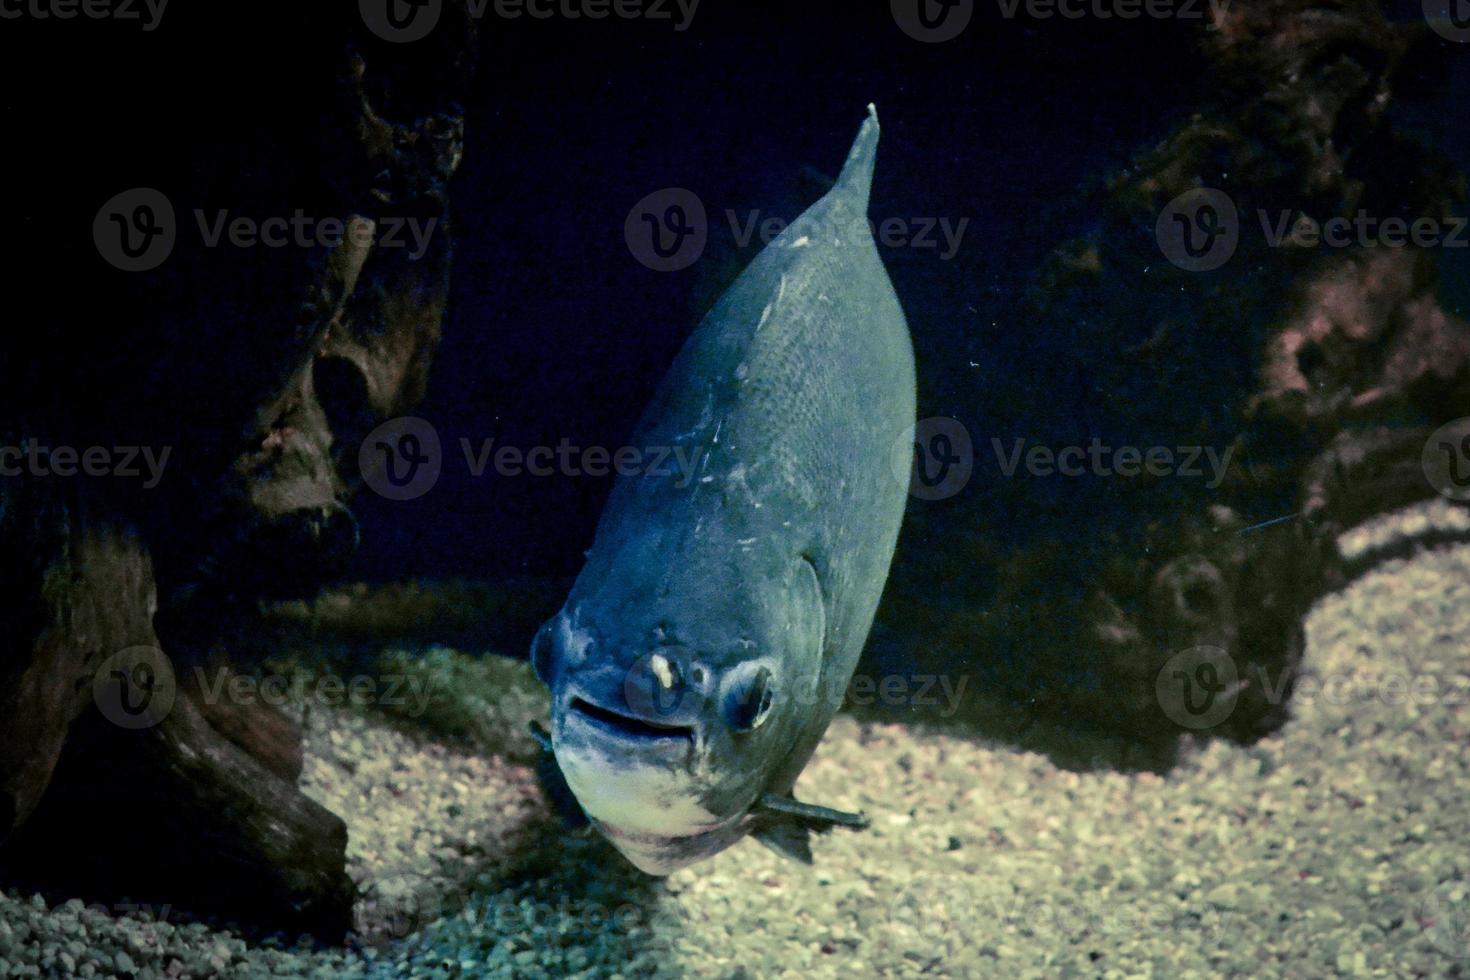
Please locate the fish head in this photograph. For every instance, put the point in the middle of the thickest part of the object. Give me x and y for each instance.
(675, 709)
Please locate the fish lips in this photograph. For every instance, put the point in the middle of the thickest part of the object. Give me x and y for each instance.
(639, 784)
(583, 722)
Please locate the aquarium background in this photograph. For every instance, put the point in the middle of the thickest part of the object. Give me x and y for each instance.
(1008, 127)
(1050, 821)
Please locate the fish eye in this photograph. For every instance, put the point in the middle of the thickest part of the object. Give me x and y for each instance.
(543, 653)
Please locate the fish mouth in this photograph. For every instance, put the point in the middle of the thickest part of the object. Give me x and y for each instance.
(627, 726)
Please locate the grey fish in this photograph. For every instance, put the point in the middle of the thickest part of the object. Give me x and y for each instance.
(709, 638)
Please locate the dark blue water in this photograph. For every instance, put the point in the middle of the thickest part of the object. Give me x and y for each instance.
(557, 332)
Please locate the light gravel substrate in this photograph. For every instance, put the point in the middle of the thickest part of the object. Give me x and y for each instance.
(1340, 846)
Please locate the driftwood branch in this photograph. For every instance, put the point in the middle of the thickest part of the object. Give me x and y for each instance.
(120, 774)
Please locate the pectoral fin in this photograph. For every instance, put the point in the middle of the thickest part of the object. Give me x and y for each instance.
(785, 824)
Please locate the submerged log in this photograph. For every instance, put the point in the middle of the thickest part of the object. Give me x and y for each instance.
(178, 814)
(121, 773)
(114, 783)
(1316, 372)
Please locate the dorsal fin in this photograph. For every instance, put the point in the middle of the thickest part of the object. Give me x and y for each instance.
(857, 173)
